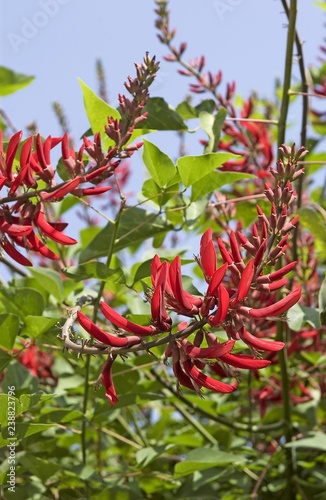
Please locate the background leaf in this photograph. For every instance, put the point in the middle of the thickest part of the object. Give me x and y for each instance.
(194, 168)
(10, 81)
(159, 165)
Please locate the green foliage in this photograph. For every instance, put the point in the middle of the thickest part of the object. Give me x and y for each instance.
(10, 81)
(97, 112)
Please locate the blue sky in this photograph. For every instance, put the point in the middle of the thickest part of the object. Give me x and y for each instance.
(59, 40)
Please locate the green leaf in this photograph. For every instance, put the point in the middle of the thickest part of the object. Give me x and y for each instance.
(143, 271)
(24, 430)
(146, 455)
(312, 219)
(20, 377)
(136, 225)
(316, 440)
(97, 112)
(39, 467)
(206, 458)
(152, 192)
(95, 270)
(299, 315)
(206, 105)
(322, 302)
(10, 81)
(37, 325)
(159, 165)
(186, 111)
(194, 168)
(9, 329)
(23, 301)
(50, 280)
(4, 360)
(161, 116)
(212, 124)
(321, 4)
(215, 180)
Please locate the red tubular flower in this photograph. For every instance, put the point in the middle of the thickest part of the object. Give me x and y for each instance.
(279, 307)
(42, 156)
(203, 380)
(246, 243)
(104, 337)
(160, 317)
(223, 307)
(14, 230)
(180, 375)
(183, 302)
(216, 280)
(13, 252)
(244, 284)
(235, 248)
(11, 152)
(91, 191)
(59, 193)
(128, 326)
(245, 362)
(260, 344)
(38, 362)
(50, 231)
(107, 381)
(213, 352)
(207, 255)
(37, 245)
(225, 254)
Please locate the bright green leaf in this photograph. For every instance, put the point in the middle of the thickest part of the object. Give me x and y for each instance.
(299, 315)
(321, 4)
(316, 440)
(159, 165)
(214, 181)
(194, 168)
(11, 82)
(312, 219)
(9, 329)
(212, 124)
(97, 112)
(23, 301)
(50, 280)
(186, 111)
(161, 116)
(205, 458)
(322, 302)
(146, 455)
(95, 270)
(152, 192)
(37, 325)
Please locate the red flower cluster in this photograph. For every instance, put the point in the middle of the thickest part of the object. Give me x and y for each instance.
(27, 173)
(23, 210)
(39, 363)
(232, 290)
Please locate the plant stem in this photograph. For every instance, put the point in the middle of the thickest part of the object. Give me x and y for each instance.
(287, 413)
(287, 72)
(95, 313)
(281, 330)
